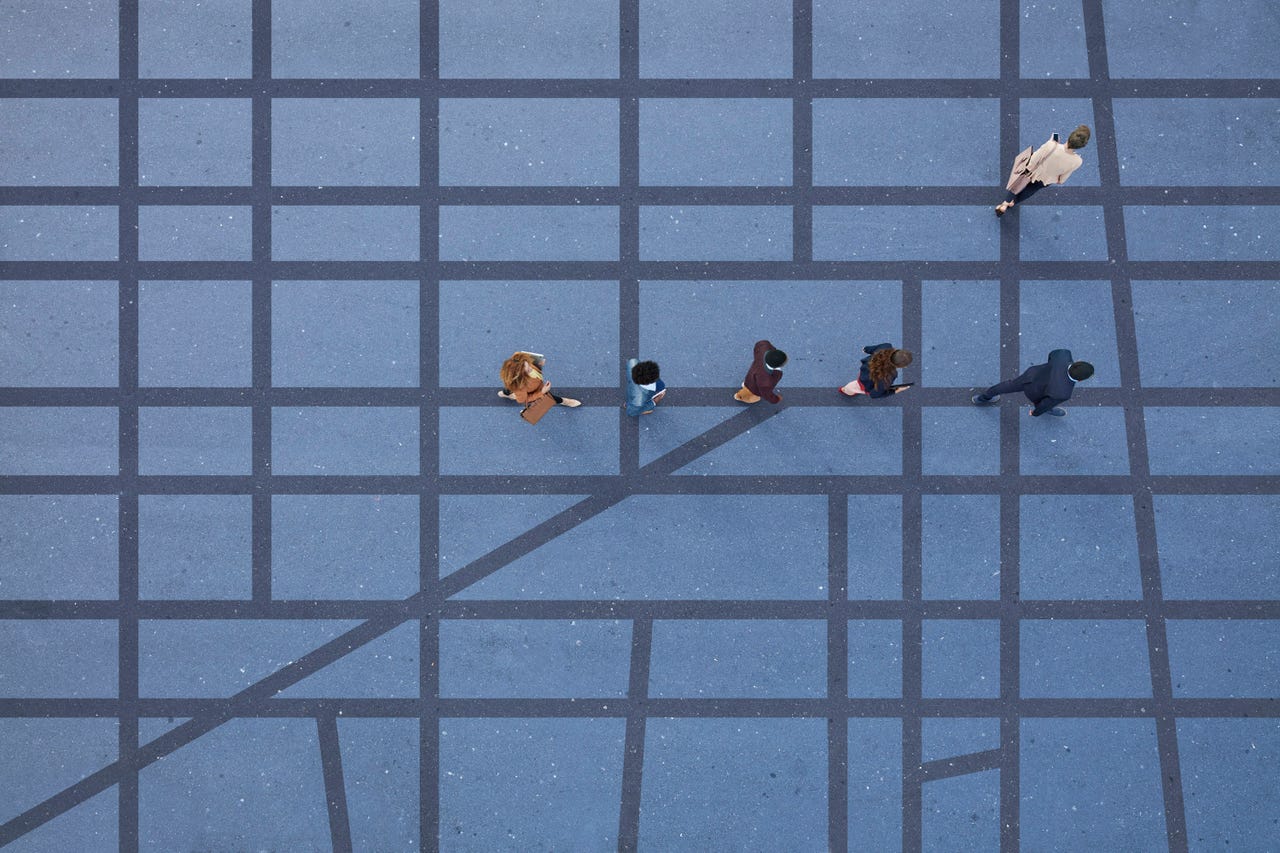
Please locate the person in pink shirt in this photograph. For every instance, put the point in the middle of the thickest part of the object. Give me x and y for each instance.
(1052, 163)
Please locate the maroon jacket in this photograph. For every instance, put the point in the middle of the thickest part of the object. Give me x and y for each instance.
(760, 379)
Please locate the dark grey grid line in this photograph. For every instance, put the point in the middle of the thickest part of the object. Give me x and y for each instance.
(1135, 431)
(652, 483)
(1010, 332)
(335, 791)
(629, 199)
(801, 196)
(649, 87)
(820, 397)
(127, 336)
(633, 743)
(647, 270)
(208, 714)
(701, 609)
(912, 580)
(837, 666)
(429, 429)
(954, 396)
(260, 274)
(912, 672)
(629, 427)
(868, 195)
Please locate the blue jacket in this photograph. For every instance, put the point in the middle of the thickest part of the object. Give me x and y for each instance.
(640, 400)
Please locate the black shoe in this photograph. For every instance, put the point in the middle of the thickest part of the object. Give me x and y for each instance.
(506, 395)
(1057, 413)
(984, 400)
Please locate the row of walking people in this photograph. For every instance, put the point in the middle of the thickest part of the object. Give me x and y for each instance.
(1046, 385)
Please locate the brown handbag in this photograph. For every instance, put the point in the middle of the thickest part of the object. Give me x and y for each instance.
(533, 412)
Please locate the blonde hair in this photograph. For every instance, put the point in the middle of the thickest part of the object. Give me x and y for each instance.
(516, 368)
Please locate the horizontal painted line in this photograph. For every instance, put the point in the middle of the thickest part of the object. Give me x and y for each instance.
(623, 707)
(797, 397)
(644, 270)
(816, 609)
(780, 87)
(861, 195)
(644, 484)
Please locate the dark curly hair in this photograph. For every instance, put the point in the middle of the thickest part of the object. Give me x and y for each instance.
(645, 373)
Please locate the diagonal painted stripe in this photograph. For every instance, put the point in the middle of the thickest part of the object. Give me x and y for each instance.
(364, 633)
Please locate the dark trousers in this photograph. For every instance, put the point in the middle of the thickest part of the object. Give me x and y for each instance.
(1027, 192)
(1003, 388)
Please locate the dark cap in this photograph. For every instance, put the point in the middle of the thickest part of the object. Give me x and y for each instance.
(775, 358)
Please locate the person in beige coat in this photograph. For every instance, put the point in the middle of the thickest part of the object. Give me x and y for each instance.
(1052, 163)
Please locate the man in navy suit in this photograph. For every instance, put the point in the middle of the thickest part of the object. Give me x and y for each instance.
(1046, 385)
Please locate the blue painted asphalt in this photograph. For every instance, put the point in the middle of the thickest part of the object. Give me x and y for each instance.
(263, 513)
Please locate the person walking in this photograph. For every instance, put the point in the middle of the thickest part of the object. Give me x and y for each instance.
(523, 383)
(1046, 385)
(879, 370)
(1052, 163)
(765, 373)
(645, 388)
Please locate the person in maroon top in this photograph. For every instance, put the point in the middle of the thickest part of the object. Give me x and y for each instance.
(765, 373)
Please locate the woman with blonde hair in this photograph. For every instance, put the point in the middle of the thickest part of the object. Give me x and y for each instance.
(522, 380)
(879, 370)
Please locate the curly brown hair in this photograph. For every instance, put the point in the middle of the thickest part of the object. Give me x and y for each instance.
(883, 366)
(516, 368)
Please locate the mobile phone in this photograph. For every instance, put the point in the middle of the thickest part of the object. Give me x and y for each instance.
(1055, 137)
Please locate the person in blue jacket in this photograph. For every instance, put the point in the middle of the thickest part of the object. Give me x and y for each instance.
(878, 372)
(645, 389)
(1046, 385)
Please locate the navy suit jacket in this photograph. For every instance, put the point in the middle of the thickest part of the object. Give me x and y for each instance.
(1048, 385)
(760, 379)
